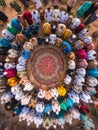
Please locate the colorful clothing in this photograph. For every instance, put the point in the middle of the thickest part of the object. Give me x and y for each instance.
(28, 17)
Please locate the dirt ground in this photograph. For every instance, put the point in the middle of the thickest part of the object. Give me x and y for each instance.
(6, 119)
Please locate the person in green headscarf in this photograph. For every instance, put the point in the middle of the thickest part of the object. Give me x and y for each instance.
(2, 3)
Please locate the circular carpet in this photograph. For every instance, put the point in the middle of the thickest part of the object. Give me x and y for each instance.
(46, 66)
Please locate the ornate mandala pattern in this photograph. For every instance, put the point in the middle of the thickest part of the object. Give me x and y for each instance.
(46, 64)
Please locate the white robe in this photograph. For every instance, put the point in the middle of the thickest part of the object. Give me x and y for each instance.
(79, 80)
(85, 97)
(53, 38)
(93, 82)
(91, 55)
(81, 72)
(75, 23)
(20, 67)
(54, 93)
(25, 99)
(9, 65)
(41, 94)
(38, 121)
(6, 97)
(38, 3)
(7, 35)
(63, 16)
(30, 117)
(48, 15)
(19, 95)
(36, 17)
(22, 61)
(23, 114)
(74, 96)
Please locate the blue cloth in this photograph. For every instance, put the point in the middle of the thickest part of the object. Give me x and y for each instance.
(60, 115)
(67, 49)
(18, 110)
(34, 29)
(25, 54)
(83, 117)
(69, 102)
(15, 23)
(2, 66)
(92, 72)
(4, 43)
(27, 32)
(48, 107)
(40, 41)
(88, 123)
(40, 115)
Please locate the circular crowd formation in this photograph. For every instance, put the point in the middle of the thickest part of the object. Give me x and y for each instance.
(48, 79)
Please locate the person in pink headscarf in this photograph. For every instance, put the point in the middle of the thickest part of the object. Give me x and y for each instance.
(81, 54)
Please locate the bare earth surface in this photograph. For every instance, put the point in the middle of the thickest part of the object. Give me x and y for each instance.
(6, 119)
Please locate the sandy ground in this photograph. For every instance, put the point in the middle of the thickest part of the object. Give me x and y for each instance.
(6, 119)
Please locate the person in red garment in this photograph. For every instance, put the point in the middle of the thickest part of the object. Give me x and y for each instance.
(28, 17)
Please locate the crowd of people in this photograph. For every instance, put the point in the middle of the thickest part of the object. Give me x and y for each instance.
(55, 106)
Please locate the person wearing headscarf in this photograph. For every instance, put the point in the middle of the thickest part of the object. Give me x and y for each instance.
(28, 17)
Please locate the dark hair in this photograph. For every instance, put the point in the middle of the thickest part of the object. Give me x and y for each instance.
(14, 114)
(48, 8)
(8, 106)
